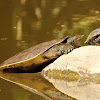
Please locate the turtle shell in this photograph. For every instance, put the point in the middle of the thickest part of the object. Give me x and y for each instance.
(28, 59)
(94, 37)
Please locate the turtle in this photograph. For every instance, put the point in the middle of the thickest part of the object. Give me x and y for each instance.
(94, 37)
(32, 59)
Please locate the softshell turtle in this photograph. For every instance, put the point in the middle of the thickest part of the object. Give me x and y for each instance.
(94, 37)
(30, 59)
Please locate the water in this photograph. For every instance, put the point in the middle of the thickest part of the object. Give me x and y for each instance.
(10, 91)
(24, 23)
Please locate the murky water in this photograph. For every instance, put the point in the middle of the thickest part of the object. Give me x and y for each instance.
(10, 91)
(24, 23)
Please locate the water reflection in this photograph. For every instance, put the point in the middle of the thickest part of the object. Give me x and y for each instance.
(10, 91)
(54, 88)
(71, 17)
(81, 89)
(35, 83)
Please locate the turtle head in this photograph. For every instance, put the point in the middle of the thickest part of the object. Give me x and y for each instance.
(75, 40)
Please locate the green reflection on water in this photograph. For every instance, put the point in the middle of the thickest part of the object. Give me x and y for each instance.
(26, 23)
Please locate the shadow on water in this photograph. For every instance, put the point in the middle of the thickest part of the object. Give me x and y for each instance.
(36, 69)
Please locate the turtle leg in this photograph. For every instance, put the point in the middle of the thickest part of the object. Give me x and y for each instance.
(52, 53)
(57, 51)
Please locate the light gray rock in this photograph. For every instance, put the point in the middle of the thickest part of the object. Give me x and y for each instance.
(85, 59)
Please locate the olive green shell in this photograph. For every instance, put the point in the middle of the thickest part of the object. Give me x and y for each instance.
(30, 58)
(93, 37)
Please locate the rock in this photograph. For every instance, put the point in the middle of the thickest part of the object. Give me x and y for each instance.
(82, 61)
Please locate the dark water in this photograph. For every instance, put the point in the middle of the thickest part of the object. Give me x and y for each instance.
(24, 23)
(10, 91)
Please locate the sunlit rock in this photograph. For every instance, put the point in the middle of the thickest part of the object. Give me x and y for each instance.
(81, 62)
(77, 73)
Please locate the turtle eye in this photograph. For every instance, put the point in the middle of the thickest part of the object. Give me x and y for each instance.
(96, 36)
(72, 42)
